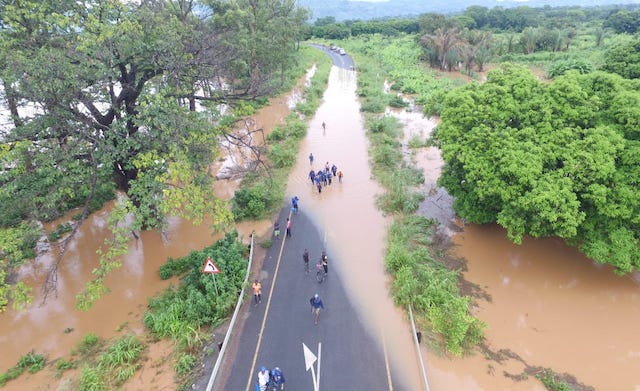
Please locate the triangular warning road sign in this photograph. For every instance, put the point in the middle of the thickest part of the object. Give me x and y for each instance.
(210, 267)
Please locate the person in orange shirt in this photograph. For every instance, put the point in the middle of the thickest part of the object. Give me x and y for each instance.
(257, 292)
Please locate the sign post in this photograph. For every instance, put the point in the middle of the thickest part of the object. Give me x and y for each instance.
(211, 268)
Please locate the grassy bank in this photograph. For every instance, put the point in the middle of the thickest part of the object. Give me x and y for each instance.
(261, 192)
(420, 275)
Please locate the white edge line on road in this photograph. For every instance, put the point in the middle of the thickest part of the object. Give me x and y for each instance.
(266, 311)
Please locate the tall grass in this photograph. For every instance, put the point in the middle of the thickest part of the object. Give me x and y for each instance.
(420, 275)
(115, 365)
(261, 193)
(31, 362)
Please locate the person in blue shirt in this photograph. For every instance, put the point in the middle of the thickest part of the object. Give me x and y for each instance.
(277, 378)
(294, 204)
(316, 306)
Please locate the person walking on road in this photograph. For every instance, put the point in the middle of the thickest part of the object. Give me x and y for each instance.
(277, 378)
(311, 158)
(257, 292)
(340, 175)
(324, 126)
(294, 204)
(305, 258)
(263, 379)
(316, 306)
(288, 227)
(324, 260)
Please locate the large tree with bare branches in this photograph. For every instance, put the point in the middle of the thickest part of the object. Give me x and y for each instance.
(104, 96)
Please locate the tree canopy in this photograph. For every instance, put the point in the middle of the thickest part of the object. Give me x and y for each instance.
(107, 96)
(556, 159)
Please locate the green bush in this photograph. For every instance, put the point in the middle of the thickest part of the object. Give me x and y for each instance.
(60, 230)
(397, 101)
(31, 361)
(373, 105)
(552, 382)
(185, 364)
(88, 343)
(180, 312)
(283, 155)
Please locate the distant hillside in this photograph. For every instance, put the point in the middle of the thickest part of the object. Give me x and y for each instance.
(364, 10)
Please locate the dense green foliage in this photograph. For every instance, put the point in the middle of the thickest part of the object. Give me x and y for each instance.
(428, 286)
(624, 59)
(552, 382)
(180, 312)
(31, 362)
(548, 160)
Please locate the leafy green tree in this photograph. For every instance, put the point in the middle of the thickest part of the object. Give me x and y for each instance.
(442, 44)
(624, 21)
(106, 94)
(624, 59)
(547, 159)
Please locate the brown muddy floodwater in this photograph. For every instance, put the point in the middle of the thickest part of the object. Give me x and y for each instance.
(354, 229)
(543, 301)
(42, 327)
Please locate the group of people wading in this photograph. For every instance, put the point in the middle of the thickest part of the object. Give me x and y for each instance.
(324, 177)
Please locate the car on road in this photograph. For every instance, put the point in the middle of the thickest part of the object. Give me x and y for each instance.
(342, 52)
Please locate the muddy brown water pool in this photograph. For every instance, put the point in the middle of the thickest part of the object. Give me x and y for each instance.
(549, 305)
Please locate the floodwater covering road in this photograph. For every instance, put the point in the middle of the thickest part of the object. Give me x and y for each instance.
(544, 301)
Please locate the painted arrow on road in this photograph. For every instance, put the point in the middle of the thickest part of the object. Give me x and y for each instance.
(309, 360)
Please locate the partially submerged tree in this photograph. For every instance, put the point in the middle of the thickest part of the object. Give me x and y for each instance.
(548, 160)
(103, 96)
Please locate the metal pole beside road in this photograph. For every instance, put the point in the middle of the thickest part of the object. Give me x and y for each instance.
(415, 339)
(216, 367)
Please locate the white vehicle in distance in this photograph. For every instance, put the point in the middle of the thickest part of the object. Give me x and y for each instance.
(342, 52)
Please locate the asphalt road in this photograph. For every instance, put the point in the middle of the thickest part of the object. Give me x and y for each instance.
(343, 61)
(347, 356)
(276, 329)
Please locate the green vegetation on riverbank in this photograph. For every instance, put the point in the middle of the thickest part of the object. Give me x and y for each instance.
(262, 191)
(421, 278)
(31, 362)
(185, 313)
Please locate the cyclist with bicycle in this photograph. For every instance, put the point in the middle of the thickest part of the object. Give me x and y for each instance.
(324, 261)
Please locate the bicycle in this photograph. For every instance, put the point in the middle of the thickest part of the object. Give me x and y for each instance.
(321, 274)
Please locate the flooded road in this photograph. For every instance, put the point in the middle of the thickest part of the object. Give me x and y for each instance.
(547, 304)
(354, 228)
(55, 328)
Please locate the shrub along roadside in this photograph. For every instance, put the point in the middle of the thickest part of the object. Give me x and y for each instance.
(186, 312)
(420, 277)
(261, 193)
